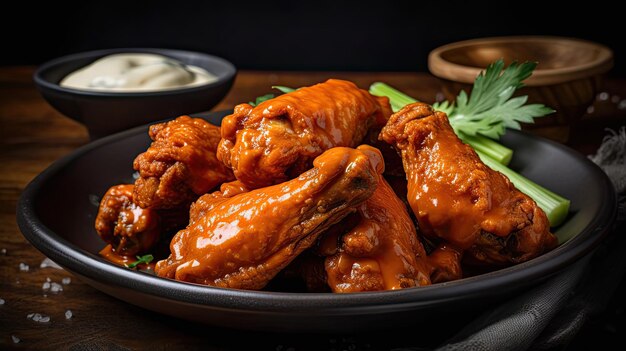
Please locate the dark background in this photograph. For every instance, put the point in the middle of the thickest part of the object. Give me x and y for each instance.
(295, 35)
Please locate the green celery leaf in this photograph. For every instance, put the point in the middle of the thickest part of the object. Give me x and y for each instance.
(491, 107)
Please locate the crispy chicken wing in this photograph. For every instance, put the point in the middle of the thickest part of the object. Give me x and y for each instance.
(455, 197)
(243, 241)
(130, 229)
(180, 165)
(278, 139)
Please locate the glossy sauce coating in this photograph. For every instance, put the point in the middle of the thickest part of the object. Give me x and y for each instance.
(455, 197)
(382, 251)
(122, 260)
(180, 165)
(243, 241)
(278, 139)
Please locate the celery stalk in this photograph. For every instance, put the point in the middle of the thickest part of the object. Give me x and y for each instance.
(397, 99)
(489, 147)
(555, 206)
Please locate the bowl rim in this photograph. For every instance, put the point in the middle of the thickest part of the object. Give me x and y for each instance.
(230, 72)
(75, 259)
(443, 68)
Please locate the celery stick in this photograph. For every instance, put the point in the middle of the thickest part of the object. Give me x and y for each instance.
(397, 99)
(496, 151)
(555, 206)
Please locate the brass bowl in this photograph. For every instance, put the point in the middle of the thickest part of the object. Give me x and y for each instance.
(567, 78)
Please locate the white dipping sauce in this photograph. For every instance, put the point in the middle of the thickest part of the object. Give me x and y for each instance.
(137, 72)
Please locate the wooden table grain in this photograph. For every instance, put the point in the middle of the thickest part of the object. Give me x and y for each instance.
(33, 135)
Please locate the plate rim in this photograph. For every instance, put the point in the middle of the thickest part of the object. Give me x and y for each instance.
(90, 265)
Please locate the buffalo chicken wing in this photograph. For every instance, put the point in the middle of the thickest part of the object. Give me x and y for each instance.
(278, 139)
(243, 241)
(180, 165)
(459, 200)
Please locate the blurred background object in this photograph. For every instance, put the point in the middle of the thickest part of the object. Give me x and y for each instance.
(568, 76)
(105, 112)
(299, 35)
(321, 36)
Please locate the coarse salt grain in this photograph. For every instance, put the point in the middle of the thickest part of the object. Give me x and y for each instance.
(66, 280)
(24, 267)
(46, 286)
(48, 279)
(55, 288)
(68, 314)
(95, 200)
(3, 251)
(38, 317)
(2, 301)
(15, 339)
(49, 263)
(603, 96)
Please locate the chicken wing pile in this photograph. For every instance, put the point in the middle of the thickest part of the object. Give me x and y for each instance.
(294, 187)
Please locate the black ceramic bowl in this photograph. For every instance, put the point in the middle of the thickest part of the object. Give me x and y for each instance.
(56, 214)
(105, 113)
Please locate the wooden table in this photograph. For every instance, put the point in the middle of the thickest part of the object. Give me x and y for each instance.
(33, 135)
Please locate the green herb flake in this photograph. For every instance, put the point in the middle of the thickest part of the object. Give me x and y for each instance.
(145, 259)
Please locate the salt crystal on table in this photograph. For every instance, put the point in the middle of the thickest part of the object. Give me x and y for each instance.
(66, 280)
(3, 251)
(68, 314)
(49, 263)
(48, 279)
(39, 318)
(24, 267)
(95, 200)
(15, 339)
(1, 301)
(46, 286)
(55, 288)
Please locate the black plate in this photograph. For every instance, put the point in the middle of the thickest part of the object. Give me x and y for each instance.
(56, 214)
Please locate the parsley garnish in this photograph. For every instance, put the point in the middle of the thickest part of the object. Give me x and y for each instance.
(141, 259)
(491, 107)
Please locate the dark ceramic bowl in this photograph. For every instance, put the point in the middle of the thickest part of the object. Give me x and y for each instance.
(56, 214)
(105, 113)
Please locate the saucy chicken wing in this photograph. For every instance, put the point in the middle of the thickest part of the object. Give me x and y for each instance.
(180, 165)
(243, 241)
(458, 199)
(278, 139)
(381, 252)
(130, 229)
